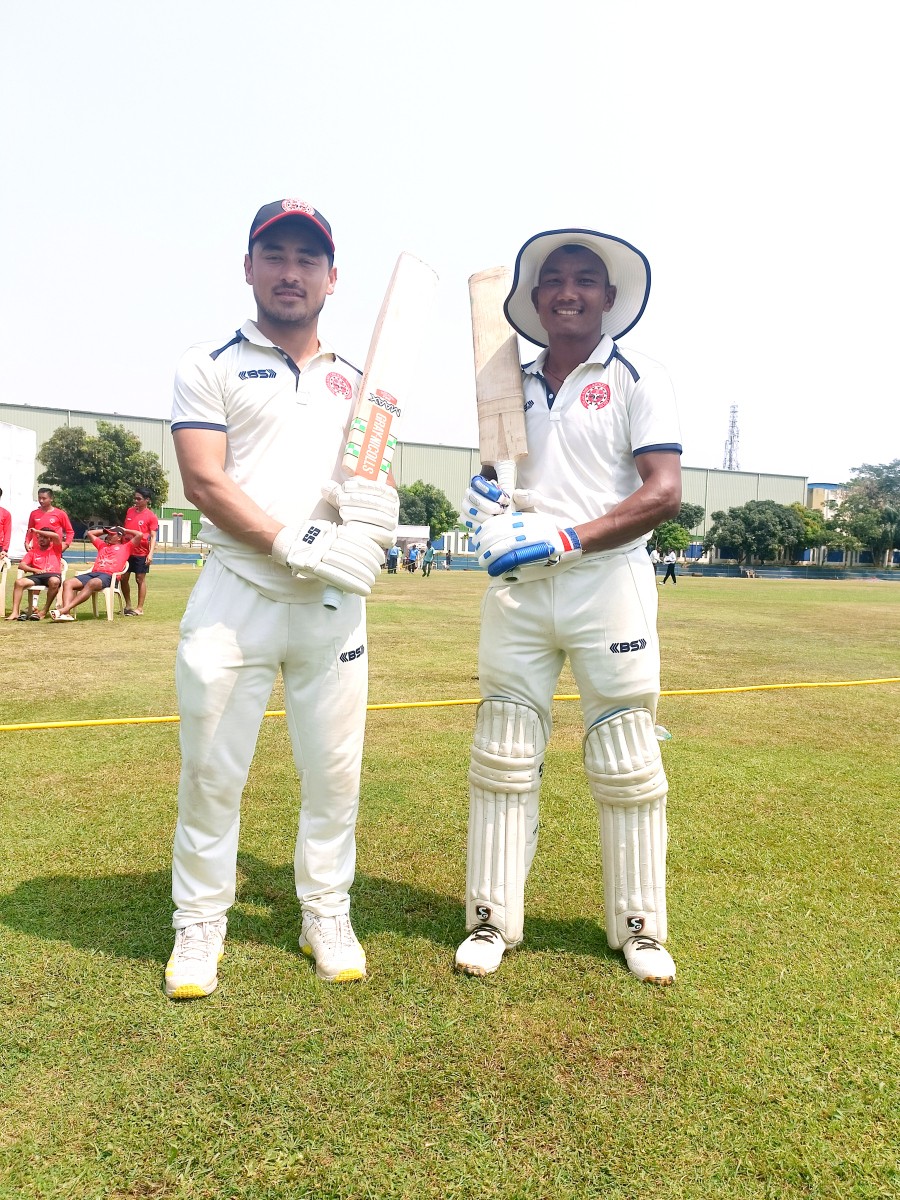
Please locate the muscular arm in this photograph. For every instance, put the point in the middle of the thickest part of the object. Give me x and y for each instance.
(201, 460)
(657, 499)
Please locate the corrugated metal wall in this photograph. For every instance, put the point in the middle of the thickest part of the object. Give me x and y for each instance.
(152, 431)
(447, 467)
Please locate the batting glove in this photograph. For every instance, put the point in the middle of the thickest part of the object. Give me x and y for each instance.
(528, 500)
(483, 500)
(514, 540)
(371, 503)
(345, 555)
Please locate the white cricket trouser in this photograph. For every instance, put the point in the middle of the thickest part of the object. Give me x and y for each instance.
(233, 643)
(528, 629)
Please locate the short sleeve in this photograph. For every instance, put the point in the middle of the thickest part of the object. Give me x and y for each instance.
(653, 413)
(199, 401)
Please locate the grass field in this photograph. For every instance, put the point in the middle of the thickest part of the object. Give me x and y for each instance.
(768, 1070)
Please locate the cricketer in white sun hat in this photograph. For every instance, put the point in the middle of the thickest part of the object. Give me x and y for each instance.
(628, 268)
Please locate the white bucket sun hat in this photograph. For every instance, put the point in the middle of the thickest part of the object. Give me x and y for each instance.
(629, 272)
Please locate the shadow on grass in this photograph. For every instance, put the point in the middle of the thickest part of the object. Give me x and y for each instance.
(128, 915)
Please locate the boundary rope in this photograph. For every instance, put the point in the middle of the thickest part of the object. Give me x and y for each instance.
(279, 712)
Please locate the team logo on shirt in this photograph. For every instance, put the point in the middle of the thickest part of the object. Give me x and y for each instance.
(595, 395)
(338, 385)
(294, 205)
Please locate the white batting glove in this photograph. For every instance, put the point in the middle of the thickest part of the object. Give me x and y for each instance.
(508, 543)
(345, 555)
(478, 508)
(528, 500)
(371, 503)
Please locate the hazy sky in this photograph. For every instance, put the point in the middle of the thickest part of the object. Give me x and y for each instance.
(747, 149)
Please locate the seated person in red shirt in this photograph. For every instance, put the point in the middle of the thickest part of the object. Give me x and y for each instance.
(113, 551)
(41, 565)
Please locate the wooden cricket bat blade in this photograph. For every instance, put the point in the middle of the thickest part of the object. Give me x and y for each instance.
(389, 368)
(498, 372)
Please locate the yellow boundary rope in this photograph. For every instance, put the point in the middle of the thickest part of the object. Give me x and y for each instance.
(753, 687)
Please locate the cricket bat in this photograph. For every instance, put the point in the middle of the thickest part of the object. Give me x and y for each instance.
(386, 377)
(498, 377)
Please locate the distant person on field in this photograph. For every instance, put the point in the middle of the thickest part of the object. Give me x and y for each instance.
(113, 550)
(427, 561)
(392, 556)
(448, 559)
(670, 560)
(413, 560)
(48, 516)
(42, 565)
(654, 557)
(141, 518)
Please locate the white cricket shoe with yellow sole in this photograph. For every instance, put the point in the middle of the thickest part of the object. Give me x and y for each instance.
(192, 969)
(648, 960)
(331, 942)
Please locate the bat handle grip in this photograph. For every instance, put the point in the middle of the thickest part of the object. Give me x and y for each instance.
(333, 597)
(506, 476)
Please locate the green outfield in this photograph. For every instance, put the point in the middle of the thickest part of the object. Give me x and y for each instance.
(768, 1070)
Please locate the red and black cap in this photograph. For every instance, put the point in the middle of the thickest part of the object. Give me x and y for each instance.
(115, 529)
(292, 207)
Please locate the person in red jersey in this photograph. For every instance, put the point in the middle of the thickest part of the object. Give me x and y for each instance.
(113, 551)
(5, 530)
(48, 516)
(141, 517)
(42, 565)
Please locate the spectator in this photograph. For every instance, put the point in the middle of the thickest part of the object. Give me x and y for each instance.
(45, 516)
(42, 566)
(113, 551)
(140, 517)
(448, 560)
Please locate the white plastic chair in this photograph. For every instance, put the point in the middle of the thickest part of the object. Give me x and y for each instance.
(33, 592)
(111, 594)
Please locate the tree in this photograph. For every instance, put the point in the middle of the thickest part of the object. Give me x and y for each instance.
(671, 535)
(869, 514)
(690, 516)
(94, 477)
(815, 530)
(668, 535)
(758, 529)
(424, 504)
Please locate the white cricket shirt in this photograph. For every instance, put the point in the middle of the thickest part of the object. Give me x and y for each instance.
(286, 432)
(582, 444)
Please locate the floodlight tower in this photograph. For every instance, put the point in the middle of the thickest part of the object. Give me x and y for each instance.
(730, 462)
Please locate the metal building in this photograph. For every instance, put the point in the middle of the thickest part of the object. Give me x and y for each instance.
(446, 467)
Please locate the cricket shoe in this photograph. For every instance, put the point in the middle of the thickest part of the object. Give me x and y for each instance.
(335, 948)
(482, 951)
(192, 970)
(648, 960)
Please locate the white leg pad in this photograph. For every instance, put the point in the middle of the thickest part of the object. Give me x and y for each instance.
(625, 772)
(504, 785)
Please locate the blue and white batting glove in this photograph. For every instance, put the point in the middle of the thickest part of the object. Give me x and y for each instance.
(515, 540)
(483, 500)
